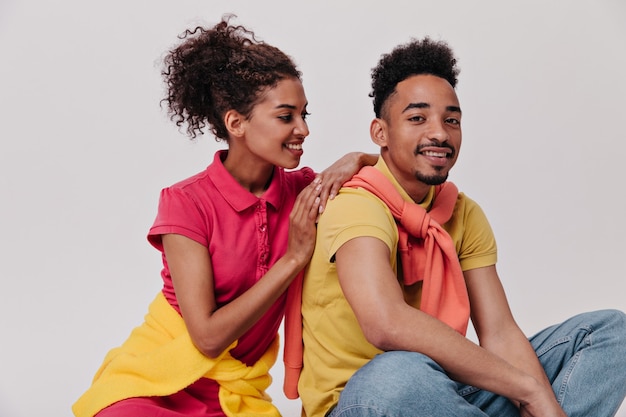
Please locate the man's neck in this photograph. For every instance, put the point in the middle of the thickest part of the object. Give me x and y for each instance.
(416, 190)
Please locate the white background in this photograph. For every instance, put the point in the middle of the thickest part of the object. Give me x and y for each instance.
(85, 149)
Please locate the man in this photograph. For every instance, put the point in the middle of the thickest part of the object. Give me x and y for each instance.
(402, 260)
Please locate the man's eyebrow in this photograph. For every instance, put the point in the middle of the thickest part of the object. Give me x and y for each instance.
(422, 105)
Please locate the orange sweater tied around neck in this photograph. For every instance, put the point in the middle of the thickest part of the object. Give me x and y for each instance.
(427, 253)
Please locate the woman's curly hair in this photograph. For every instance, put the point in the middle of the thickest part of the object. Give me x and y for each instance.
(219, 69)
(416, 57)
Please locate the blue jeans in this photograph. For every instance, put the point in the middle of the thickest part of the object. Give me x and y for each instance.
(584, 358)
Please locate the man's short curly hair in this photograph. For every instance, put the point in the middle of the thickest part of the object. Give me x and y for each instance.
(220, 69)
(414, 58)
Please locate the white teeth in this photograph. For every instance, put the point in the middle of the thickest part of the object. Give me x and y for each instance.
(294, 146)
(436, 154)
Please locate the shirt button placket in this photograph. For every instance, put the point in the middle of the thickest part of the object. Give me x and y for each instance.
(262, 237)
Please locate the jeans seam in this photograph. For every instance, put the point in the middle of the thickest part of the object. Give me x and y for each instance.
(357, 406)
(557, 342)
(468, 390)
(574, 361)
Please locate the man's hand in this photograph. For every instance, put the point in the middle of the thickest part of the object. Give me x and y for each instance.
(542, 404)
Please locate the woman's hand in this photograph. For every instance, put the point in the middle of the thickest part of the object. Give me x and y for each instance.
(333, 177)
(302, 220)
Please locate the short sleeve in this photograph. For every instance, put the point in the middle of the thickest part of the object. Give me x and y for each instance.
(178, 213)
(478, 245)
(356, 213)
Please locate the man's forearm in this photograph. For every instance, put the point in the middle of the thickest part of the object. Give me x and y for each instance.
(514, 347)
(462, 359)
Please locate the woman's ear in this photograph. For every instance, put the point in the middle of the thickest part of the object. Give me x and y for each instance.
(378, 132)
(234, 122)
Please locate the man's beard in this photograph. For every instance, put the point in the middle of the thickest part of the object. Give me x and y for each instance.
(434, 179)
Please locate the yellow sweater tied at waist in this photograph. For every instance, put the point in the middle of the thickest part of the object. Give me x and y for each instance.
(159, 359)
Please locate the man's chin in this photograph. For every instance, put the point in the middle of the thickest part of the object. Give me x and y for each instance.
(431, 179)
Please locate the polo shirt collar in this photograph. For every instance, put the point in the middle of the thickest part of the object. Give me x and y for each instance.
(239, 198)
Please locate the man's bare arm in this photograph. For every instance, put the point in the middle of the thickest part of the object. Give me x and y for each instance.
(372, 290)
(495, 326)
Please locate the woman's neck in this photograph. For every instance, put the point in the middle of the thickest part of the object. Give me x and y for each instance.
(253, 175)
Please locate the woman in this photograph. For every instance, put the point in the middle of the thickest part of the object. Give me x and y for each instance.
(232, 237)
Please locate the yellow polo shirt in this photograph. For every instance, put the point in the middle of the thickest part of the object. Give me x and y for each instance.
(334, 345)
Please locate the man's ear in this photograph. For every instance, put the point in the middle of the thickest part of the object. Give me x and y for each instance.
(378, 132)
(234, 122)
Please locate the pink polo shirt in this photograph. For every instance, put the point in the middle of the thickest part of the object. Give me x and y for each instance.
(245, 235)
